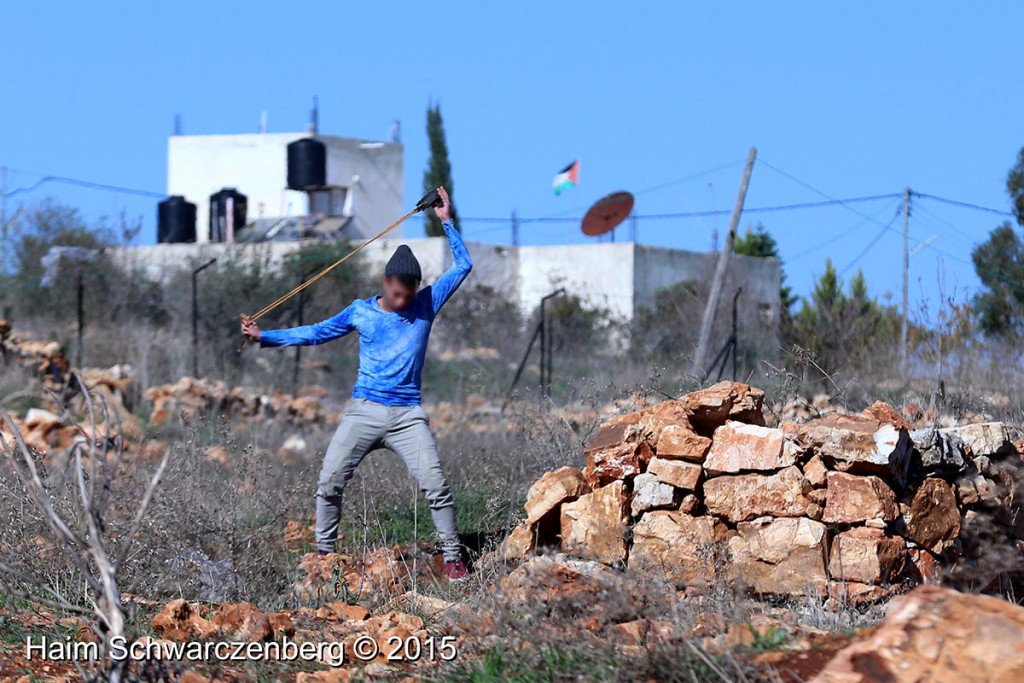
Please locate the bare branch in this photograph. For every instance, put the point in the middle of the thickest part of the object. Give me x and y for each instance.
(143, 506)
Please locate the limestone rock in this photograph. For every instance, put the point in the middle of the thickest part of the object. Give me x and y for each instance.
(342, 611)
(867, 555)
(180, 621)
(925, 567)
(38, 419)
(688, 504)
(853, 499)
(780, 556)
(518, 545)
(709, 408)
(685, 475)
(594, 526)
(937, 634)
(977, 488)
(678, 441)
(860, 444)
(856, 593)
(243, 620)
(883, 412)
(617, 430)
(934, 519)
(649, 494)
(748, 496)
(617, 451)
(815, 471)
(553, 489)
(293, 450)
(621, 462)
(738, 447)
(549, 580)
(941, 451)
(654, 420)
(988, 438)
(676, 546)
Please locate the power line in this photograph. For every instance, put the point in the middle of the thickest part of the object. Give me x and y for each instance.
(702, 214)
(871, 244)
(964, 205)
(970, 239)
(693, 176)
(842, 202)
(832, 240)
(86, 184)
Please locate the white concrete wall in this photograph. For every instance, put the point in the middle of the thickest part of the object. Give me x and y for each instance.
(257, 166)
(658, 268)
(600, 274)
(619, 277)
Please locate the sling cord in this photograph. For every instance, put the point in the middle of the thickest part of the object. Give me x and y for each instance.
(271, 306)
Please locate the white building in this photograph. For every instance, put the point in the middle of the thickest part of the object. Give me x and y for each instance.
(366, 178)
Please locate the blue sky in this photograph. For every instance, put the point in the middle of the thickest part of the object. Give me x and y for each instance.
(851, 99)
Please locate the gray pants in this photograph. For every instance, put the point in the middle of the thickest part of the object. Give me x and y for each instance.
(405, 430)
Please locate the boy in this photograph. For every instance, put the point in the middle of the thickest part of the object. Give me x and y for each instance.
(385, 411)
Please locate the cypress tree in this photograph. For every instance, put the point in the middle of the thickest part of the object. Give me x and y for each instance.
(439, 170)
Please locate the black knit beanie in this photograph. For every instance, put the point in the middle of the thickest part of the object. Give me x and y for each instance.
(403, 263)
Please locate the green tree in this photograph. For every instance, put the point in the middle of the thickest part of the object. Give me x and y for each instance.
(439, 169)
(999, 264)
(759, 242)
(1015, 186)
(51, 224)
(844, 329)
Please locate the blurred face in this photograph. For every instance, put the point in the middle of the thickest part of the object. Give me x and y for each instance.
(395, 294)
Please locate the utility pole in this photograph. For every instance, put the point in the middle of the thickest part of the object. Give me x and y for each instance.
(195, 315)
(723, 264)
(81, 316)
(3, 232)
(906, 282)
(515, 228)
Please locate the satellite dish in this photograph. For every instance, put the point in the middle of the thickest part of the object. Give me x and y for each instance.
(607, 213)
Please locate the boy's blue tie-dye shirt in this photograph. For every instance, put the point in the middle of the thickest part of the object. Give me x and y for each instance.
(392, 345)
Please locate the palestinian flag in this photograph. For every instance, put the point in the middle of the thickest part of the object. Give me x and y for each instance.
(568, 177)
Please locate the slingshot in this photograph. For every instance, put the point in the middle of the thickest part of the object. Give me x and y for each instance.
(429, 199)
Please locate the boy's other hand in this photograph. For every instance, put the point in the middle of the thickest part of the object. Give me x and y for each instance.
(444, 212)
(250, 329)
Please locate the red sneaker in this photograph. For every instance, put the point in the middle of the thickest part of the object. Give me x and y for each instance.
(456, 570)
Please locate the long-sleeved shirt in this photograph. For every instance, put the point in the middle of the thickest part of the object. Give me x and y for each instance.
(392, 344)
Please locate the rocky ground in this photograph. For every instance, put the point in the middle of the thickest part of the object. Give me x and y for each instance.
(702, 538)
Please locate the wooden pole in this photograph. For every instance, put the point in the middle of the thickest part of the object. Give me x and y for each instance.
(906, 282)
(715, 296)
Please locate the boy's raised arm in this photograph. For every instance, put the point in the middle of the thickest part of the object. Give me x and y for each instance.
(450, 280)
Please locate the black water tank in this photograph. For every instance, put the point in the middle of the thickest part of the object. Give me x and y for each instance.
(219, 208)
(307, 164)
(175, 220)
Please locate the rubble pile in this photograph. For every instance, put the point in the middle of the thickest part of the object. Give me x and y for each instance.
(195, 396)
(182, 621)
(49, 435)
(47, 358)
(845, 506)
(111, 423)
